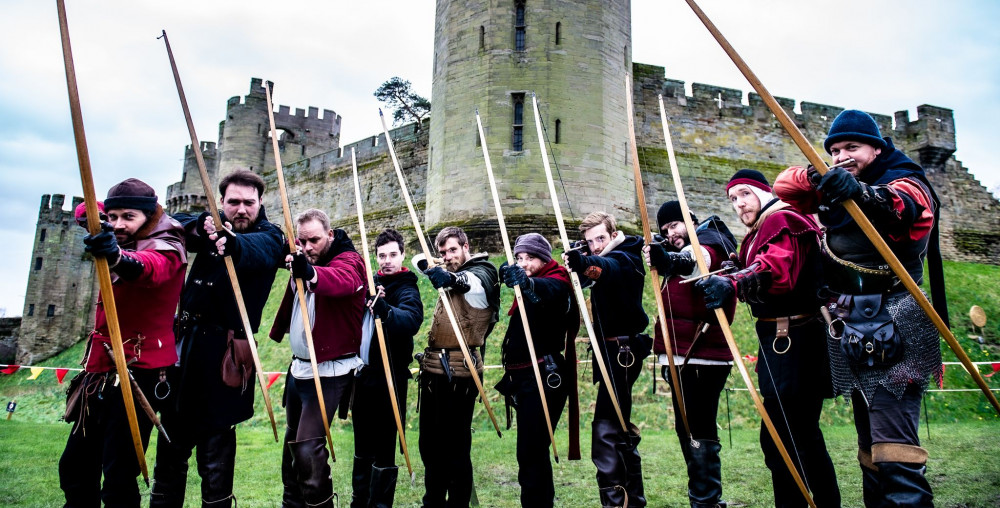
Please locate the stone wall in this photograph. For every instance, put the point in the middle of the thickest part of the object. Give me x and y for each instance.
(62, 287)
(9, 330)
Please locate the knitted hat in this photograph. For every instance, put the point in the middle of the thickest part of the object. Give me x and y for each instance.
(534, 244)
(80, 214)
(854, 125)
(132, 193)
(757, 183)
(670, 212)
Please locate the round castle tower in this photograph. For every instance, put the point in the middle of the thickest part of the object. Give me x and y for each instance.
(492, 55)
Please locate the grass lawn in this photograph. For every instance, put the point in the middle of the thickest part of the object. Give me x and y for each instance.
(962, 468)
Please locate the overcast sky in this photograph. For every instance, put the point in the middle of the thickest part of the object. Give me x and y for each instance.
(877, 56)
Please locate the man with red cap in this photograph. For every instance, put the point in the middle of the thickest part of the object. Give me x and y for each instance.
(781, 274)
(144, 248)
(884, 349)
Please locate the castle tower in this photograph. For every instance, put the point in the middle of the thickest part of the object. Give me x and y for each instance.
(491, 55)
(61, 293)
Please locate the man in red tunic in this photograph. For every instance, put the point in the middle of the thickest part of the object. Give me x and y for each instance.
(333, 277)
(700, 351)
(781, 273)
(144, 248)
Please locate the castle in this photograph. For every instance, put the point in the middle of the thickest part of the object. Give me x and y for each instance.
(492, 56)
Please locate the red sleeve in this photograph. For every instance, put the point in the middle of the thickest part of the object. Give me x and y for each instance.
(792, 187)
(924, 221)
(784, 256)
(159, 266)
(342, 277)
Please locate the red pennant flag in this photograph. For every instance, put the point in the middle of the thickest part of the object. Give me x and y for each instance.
(996, 368)
(60, 374)
(271, 378)
(941, 381)
(750, 358)
(11, 369)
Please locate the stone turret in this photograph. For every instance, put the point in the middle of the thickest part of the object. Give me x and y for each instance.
(492, 55)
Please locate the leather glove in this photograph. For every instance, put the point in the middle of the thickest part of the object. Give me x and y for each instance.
(422, 265)
(440, 278)
(380, 308)
(104, 244)
(718, 290)
(674, 263)
(232, 246)
(503, 270)
(575, 261)
(199, 225)
(301, 267)
(129, 268)
(838, 185)
(514, 275)
(812, 174)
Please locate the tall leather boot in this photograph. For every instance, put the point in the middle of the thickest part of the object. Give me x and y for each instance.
(216, 463)
(292, 494)
(361, 480)
(633, 468)
(313, 471)
(901, 469)
(872, 491)
(705, 474)
(606, 440)
(383, 487)
(169, 474)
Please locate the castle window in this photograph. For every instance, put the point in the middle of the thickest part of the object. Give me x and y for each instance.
(482, 37)
(558, 33)
(517, 132)
(558, 130)
(51, 311)
(38, 263)
(31, 309)
(41, 236)
(519, 27)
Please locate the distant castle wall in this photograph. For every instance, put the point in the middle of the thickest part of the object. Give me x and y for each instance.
(62, 289)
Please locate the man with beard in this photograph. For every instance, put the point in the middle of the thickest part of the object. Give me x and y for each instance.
(612, 265)
(885, 348)
(552, 317)
(780, 256)
(144, 248)
(397, 303)
(447, 391)
(333, 276)
(701, 354)
(214, 388)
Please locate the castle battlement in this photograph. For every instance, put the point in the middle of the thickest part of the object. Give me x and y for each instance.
(51, 208)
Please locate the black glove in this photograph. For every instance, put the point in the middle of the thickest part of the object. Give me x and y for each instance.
(232, 246)
(718, 290)
(440, 278)
(301, 267)
(514, 275)
(128, 267)
(104, 244)
(812, 174)
(422, 264)
(380, 307)
(838, 185)
(674, 263)
(575, 261)
(199, 224)
(503, 269)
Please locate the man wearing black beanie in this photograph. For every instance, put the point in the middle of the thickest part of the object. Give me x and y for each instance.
(884, 348)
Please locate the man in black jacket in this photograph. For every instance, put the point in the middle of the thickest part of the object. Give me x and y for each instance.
(206, 404)
(552, 314)
(613, 265)
(398, 305)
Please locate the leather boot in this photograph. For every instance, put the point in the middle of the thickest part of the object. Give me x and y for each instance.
(605, 452)
(705, 474)
(361, 480)
(313, 471)
(216, 461)
(383, 487)
(169, 475)
(871, 488)
(292, 495)
(633, 468)
(904, 484)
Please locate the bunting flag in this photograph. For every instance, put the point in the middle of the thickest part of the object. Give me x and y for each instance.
(35, 372)
(11, 369)
(941, 379)
(995, 367)
(60, 374)
(750, 358)
(272, 377)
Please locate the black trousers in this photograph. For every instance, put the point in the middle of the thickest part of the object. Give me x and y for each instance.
(374, 422)
(534, 466)
(101, 444)
(215, 456)
(446, 439)
(887, 420)
(701, 386)
(794, 379)
(302, 409)
(624, 368)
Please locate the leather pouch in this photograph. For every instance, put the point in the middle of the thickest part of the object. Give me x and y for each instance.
(869, 336)
(237, 362)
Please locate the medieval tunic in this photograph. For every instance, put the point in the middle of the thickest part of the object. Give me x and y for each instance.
(793, 371)
(551, 319)
(101, 441)
(446, 404)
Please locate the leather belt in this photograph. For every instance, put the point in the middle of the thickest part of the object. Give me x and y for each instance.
(782, 324)
(525, 365)
(789, 318)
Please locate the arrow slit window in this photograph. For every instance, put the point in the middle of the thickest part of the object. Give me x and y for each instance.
(517, 131)
(519, 27)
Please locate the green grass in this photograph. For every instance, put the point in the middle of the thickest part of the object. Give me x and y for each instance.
(964, 428)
